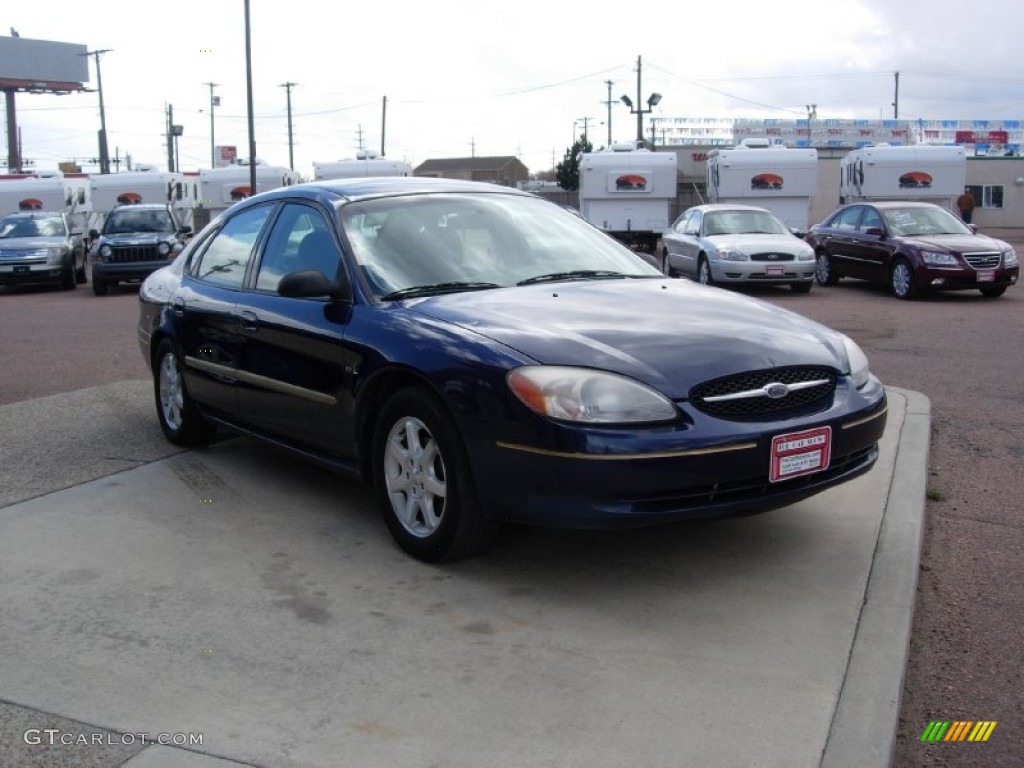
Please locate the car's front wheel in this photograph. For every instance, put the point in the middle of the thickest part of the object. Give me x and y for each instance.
(67, 278)
(993, 291)
(180, 419)
(804, 287)
(902, 280)
(99, 287)
(704, 276)
(423, 480)
(824, 272)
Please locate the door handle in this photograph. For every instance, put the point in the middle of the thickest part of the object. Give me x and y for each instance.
(249, 322)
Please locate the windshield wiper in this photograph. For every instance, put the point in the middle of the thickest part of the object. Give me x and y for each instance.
(577, 274)
(434, 288)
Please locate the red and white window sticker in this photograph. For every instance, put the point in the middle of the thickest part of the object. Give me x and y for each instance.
(800, 453)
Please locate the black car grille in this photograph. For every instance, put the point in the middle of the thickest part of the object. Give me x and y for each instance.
(126, 254)
(771, 257)
(982, 260)
(755, 407)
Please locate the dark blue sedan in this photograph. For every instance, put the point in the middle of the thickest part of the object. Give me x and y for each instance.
(483, 356)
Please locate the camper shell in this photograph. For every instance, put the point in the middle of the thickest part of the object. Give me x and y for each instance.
(773, 176)
(362, 165)
(628, 192)
(923, 172)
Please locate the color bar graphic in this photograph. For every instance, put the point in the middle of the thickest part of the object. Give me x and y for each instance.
(958, 730)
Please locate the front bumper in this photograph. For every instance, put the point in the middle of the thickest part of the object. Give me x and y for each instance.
(31, 273)
(761, 271)
(673, 480)
(137, 270)
(961, 278)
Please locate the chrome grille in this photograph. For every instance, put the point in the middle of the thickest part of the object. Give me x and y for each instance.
(982, 260)
(811, 391)
(771, 257)
(125, 254)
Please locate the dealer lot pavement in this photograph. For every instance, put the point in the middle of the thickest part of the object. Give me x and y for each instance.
(235, 593)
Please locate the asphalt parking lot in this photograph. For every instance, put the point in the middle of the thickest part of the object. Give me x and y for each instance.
(300, 646)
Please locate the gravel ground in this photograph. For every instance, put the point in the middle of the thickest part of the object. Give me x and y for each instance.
(961, 350)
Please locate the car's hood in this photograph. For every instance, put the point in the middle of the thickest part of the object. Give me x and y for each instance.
(960, 243)
(671, 334)
(30, 243)
(761, 242)
(139, 238)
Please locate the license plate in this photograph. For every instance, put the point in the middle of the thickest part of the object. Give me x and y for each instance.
(988, 276)
(800, 453)
(21, 269)
(775, 271)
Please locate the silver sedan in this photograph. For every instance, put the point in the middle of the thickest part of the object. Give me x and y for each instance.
(723, 243)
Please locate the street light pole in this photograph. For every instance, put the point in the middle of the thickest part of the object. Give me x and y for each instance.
(214, 101)
(104, 153)
(248, 96)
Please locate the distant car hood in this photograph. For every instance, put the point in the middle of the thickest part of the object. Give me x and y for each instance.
(959, 243)
(139, 238)
(31, 243)
(670, 334)
(761, 242)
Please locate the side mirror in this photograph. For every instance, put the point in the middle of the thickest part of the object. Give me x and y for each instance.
(973, 228)
(309, 284)
(877, 231)
(184, 230)
(93, 234)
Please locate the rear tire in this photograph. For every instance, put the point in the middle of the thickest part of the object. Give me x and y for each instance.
(180, 419)
(423, 481)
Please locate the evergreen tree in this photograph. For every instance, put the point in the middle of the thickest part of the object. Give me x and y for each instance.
(567, 172)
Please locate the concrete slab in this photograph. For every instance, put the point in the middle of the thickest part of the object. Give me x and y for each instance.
(235, 593)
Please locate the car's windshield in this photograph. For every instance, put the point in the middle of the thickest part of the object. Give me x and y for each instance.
(24, 226)
(127, 221)
(743, 223)
(472, 241)
(918, 222)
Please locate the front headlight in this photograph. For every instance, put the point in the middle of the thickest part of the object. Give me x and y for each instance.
(938, 259)
(1010, 258)
(807, 255)
(163, 249)
(731, 254)
(857, 361)
(588, 396)
(56, 255)
(106, 251)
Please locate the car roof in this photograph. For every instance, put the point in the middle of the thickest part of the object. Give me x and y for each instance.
(362, 188)
(33, 214)
(141, 207)
(711, 207)
(895, 204)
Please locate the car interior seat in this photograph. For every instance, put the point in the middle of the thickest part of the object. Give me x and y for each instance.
(317, 252)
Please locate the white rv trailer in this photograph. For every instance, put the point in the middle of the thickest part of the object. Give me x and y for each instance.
(363, 164)
(220, 188)
(773, 176)
(927, 172)
(628, 192)
(133, 187)
(68, 193)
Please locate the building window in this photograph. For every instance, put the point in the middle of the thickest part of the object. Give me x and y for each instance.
(987, 195)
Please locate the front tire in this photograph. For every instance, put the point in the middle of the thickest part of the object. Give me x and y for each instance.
(704, 276)
(424, 483)
(824, 271)
(901, 280)
(99, 287)
(804, 287)
(180, 419)
(67, 278)
(993, 291)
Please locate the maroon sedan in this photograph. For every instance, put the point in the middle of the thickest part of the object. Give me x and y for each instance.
(914, 247)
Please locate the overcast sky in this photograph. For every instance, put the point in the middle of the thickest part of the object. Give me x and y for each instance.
(491, 78)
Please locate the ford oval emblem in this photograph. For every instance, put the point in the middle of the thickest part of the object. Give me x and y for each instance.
(776, 390)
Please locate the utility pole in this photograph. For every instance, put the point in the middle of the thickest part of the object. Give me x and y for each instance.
(383, 122)
(608, 104)
(104, 153)
(248, 100)
(214, 102)
(291, 155)
(639, 112)
(896, 100)
(169, 114)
